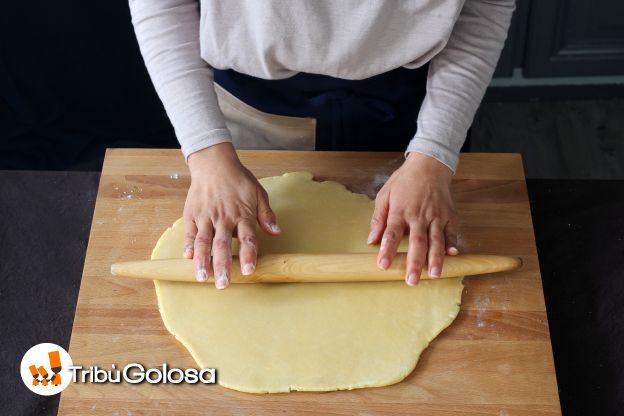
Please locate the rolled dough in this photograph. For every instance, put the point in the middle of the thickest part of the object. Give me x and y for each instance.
(312, 337)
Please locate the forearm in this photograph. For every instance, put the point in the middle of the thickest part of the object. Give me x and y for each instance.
(458, 77)
(168, 36)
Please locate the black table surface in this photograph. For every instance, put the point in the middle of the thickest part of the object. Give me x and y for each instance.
(45, 219)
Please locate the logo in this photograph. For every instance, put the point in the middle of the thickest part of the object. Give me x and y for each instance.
(45, 369)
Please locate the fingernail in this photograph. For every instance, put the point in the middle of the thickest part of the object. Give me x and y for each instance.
(201, 275)
(222, 281)
(371, 238)
(384, 263)
(275, 228)
(412, 279)
(453, 251)
(188, 252)
(248, 268)
(434, 272)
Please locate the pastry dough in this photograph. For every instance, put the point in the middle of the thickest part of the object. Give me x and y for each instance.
(269, 338)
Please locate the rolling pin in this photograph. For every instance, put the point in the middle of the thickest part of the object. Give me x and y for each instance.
(317, 268)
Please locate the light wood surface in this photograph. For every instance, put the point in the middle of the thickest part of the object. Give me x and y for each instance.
(317, 268)
(495, 359)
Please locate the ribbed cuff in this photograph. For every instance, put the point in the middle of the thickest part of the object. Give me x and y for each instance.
(210, 139)
(436, 150)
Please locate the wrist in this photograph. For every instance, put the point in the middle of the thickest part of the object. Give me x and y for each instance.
(215, 155)
(428, 165)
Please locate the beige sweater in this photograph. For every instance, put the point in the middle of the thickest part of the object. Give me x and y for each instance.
(351, 39)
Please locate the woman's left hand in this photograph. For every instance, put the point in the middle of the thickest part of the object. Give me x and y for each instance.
(416, 199)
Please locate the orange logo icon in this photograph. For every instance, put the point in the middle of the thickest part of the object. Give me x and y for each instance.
(55, 366)
(45, 369)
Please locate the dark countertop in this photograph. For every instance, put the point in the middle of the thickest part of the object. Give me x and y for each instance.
(579, 230)
(45, 219)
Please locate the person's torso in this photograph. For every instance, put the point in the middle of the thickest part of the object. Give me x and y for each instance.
(349, 39)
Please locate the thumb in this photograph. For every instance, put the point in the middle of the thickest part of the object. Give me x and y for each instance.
(265, 215)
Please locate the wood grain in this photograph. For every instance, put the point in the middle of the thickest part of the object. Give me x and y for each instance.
(495, 359)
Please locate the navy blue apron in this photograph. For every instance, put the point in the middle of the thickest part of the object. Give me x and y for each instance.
(373, 114)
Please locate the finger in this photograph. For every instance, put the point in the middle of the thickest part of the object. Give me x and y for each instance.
(201, 251)
(190, 232)
(450, 233)
(416, 253)
(266, 216)
(378, 220)
(247, 251)
(435, 257)
(390, 242)
(222, 255)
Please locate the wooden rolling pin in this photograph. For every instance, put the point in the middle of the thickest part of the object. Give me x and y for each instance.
(317, 268)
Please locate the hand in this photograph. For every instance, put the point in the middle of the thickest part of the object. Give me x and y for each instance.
(417, 198)
(224, 200)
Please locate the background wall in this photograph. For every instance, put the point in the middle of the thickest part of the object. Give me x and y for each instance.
(72, 81)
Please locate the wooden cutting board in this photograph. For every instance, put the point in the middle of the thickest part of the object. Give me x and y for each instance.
(495, 359)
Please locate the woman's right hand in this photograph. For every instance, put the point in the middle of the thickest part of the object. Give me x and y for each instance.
(224, 200)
